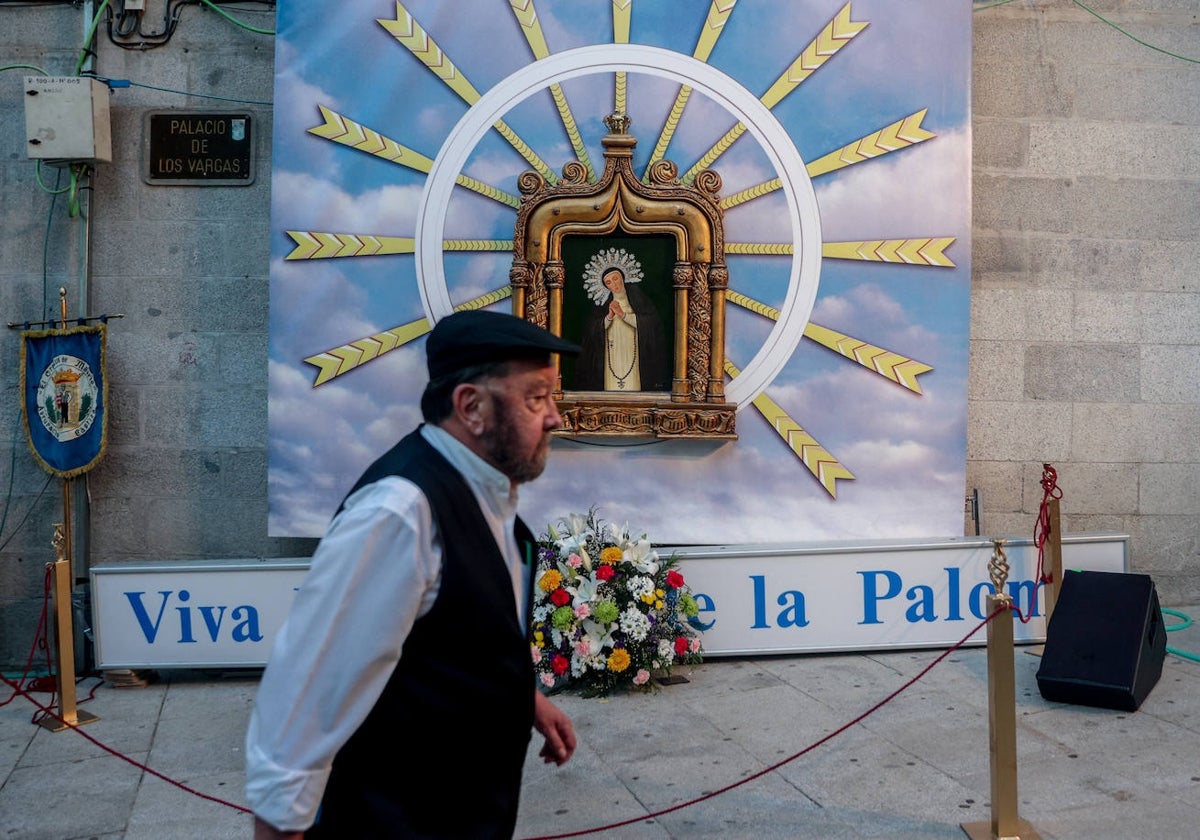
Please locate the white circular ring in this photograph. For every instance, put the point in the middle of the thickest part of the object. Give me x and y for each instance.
(774, 140)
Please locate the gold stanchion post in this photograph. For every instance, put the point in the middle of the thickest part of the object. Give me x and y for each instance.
(64, 637)
(1002, 713)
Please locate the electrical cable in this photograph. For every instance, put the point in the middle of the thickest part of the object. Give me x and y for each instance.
(1130, 36)
(119, 83)
(47, 310)
(1103, 20)
(12, 473)
(86, 49)
(1183, 625)
(23, 67)
(37, 174)
(128, 24)
(235, 21)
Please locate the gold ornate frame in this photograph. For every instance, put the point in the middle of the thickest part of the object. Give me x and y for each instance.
(619, 203)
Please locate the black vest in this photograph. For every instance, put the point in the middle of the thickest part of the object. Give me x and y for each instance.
(441, 753)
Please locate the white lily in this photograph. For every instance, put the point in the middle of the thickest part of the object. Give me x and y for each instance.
(618, 535)
(583, 590)
(598, 634)
(643, 556)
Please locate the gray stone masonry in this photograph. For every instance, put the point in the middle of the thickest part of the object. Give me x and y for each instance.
(1086, 293)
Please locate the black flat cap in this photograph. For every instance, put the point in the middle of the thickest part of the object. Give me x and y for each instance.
(476, 336)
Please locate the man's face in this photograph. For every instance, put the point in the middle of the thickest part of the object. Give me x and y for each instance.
(516, 437)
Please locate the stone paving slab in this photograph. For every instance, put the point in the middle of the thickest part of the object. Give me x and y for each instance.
(765, 748)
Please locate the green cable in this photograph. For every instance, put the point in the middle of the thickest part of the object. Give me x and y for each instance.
(234, 20)
(23, 67)
(37, 171)
(91, 36)
(1103, 20)
(1186, 623)
(1131, 36)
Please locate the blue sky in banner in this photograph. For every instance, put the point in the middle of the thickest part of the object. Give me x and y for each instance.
(906, 450)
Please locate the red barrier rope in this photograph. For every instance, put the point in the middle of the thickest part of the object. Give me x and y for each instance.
(802, 752)
(40, 642)
(1041, 527)
(48, 712)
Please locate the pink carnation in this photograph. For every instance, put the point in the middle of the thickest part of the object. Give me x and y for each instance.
(574, 561)
(583, 611)
(536, 652)
(547, 680)
(641, 677)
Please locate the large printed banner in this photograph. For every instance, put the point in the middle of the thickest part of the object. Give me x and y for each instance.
(841, 135)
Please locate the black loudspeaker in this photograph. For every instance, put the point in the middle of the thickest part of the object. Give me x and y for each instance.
(1105, 642)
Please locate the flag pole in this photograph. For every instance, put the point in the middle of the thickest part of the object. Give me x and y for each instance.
(64, 634)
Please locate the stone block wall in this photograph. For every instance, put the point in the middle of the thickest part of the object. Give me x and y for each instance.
(1085, 296)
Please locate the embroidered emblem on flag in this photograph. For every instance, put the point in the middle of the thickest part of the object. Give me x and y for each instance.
(65, 396)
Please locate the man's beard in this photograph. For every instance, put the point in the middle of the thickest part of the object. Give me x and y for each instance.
(500, 448)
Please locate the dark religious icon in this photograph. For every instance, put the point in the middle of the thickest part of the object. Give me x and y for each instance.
(623, 345)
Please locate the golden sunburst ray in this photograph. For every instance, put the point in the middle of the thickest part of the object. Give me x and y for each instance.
(405, 29)
(836, 34)
(930, 251)
(341, 129)
(816, 458)
(899, 369)
(315, 245)
(899, 135)
(531, 27)
(622, 14)
(340, 360)
(892, 138)
(926, 251)
(714, 25)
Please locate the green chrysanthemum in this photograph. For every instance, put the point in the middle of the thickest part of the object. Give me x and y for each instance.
(562, 618)
(688, 605)
(606, 612)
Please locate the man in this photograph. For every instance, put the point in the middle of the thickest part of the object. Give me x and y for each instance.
(400, 696)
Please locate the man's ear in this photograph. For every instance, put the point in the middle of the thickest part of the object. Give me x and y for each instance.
(468, 401)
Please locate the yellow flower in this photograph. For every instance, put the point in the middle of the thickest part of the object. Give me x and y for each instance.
(550, 580)
(611, 555)
(539, 638)
(647, 598)
(618, 660)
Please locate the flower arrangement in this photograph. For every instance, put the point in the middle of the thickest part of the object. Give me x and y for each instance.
(608, 611)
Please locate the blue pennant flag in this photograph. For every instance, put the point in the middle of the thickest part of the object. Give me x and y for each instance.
(65, 396)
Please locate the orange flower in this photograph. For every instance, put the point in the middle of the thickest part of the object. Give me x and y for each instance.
(550, 580)
(611, 555)
(618, 660)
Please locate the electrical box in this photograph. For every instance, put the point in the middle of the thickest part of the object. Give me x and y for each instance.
(66, 120)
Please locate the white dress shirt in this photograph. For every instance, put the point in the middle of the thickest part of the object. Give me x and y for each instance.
(375, 571)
